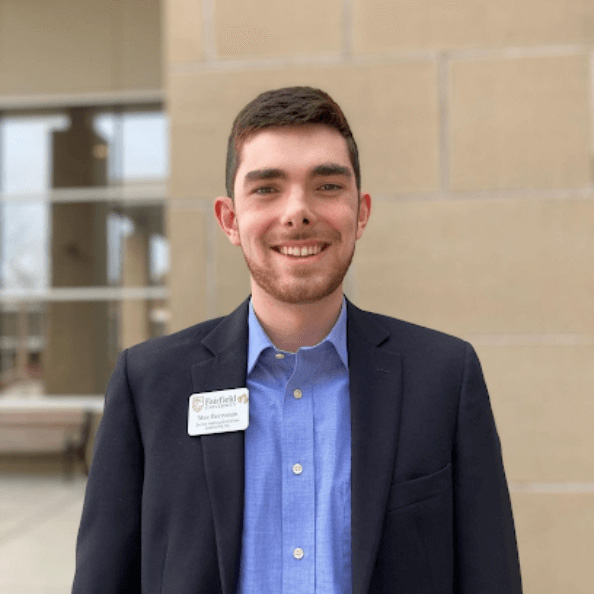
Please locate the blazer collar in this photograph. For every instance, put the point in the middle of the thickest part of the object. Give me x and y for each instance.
(375, 393)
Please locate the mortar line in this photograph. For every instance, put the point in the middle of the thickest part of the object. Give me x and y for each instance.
(253, 63)
(538, 51)
(591, 113)
(557, 487)
(347, 30)
(584, 193)
(444, 121)
(535, 339)
(209, 42)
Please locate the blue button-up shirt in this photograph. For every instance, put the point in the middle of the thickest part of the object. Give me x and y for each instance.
(297, 511)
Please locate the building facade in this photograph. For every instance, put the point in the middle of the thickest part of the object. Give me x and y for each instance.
(475, 123)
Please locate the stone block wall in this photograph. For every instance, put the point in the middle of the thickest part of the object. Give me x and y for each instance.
(475, 125)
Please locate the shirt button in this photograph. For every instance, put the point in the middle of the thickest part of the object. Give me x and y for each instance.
(297, 469)
(297, 393)
(279, 356)
(298, 553)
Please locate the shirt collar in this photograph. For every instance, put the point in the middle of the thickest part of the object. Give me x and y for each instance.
(259, 341)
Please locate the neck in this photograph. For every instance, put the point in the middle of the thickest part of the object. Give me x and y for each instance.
(291, 326)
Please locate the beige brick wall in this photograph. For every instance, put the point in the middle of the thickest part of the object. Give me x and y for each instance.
(540, 401)
(381, 26)
(520, 122)
(474, 121)
(556, 537)
(254, 28)
(182, 29)
(481, 266)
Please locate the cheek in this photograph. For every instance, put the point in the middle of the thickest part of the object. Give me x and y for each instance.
(347, 223)
(250, 232)
(257, 224)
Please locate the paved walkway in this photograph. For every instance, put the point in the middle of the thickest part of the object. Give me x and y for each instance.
(39, 518)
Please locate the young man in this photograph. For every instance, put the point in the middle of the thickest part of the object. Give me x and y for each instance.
(371, 461)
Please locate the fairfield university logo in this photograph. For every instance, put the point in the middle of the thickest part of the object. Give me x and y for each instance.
(198, 403)
(201, 402)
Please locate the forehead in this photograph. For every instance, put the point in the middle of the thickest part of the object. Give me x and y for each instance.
(292, 148)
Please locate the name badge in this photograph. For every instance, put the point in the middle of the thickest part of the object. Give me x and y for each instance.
(218, 412)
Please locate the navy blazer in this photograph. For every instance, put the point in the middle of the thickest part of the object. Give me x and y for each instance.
(431, 513)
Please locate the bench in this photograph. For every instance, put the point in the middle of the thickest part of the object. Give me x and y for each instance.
(49, 425)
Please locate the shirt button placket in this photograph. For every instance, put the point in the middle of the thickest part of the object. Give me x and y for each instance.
(298, 484)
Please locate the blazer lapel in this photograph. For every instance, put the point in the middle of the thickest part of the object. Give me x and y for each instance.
(375, 394)
(224, 367)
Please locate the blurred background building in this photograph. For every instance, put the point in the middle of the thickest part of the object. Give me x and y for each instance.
(475, 122)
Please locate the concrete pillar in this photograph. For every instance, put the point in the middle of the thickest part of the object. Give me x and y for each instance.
(134, 323)
(76, 357)
(22, 351)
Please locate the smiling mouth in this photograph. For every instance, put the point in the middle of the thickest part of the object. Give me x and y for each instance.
(301, 251)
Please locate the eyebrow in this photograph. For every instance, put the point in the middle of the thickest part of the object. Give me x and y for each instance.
(332, 169)
(261, 174)
(320, 170)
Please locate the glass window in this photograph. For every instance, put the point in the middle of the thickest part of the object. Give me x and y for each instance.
(69, 347)
(25, 149)
(83, 253)
(24, 229)
(77, 244)
(138, 144)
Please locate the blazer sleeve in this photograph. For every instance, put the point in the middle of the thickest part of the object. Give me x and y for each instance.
(487, 556)
(108, 546)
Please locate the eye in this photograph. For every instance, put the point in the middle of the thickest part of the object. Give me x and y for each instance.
(330, 187)
(262, 190)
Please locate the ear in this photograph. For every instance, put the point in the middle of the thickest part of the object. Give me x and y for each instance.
(225, 214)
(364, 212)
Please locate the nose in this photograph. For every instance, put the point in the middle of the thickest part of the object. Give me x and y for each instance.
(298, 211)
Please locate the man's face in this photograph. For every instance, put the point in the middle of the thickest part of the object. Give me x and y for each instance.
(296, 214)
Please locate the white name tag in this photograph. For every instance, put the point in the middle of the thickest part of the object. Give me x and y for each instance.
(218, 412)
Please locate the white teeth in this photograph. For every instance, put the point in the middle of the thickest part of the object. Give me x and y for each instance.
(311, 250)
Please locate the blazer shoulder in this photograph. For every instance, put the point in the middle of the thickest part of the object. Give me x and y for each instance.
(189, 345)
(171, 343)
(407, 337)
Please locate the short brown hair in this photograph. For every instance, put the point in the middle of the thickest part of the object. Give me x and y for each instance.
(291, 106)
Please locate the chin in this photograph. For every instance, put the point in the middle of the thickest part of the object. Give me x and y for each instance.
(302, 291)
(298, 290)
